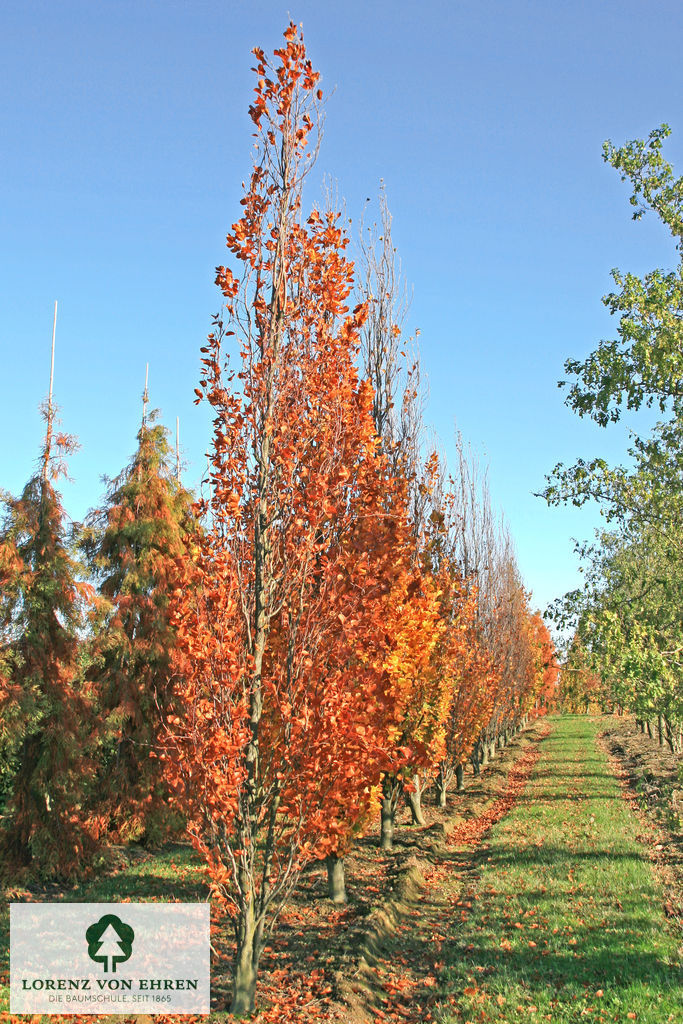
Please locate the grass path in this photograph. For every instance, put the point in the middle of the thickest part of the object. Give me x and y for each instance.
(567, 923)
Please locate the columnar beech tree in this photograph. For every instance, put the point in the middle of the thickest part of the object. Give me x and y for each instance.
(283, 700)
(419, 697)
(513, 648)
(461, 655)
(547, 666)
(420, 686)
(132, 544)
(45, 713)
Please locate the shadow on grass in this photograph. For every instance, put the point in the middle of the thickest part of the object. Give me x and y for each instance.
(570, 975)
(534, 855)
(588, 935)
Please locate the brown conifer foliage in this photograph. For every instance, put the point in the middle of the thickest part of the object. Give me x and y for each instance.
(133, 544)
(45, 711)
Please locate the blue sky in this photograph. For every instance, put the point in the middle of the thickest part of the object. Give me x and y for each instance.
(125, 142)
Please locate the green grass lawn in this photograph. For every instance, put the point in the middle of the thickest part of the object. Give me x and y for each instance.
(567, 922)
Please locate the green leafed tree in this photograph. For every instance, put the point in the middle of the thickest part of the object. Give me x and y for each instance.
(628, 611)
(132, 544)
(643, 365)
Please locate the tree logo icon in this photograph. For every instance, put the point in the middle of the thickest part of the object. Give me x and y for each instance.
(110, 941)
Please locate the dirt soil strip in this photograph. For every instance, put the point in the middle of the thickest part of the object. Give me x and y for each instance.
(650, 780)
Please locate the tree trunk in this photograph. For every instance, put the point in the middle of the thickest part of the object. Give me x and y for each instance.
(336, 887)
(660, 730)
(669, 735)
(246, 966)
(459, 778)
(474, 759)
(649, 728)
(386, 840)
(441, 788)
(484, 754)
(415, 802)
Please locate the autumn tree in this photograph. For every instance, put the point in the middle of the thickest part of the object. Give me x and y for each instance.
(389, 360)
(503, 644)
(460, 654)
(45, 711)
(391, 363)
(280, 730)
(547, 667)
(419, 697)
(475, 543)
(580, 689)
(471, 694)
(515, 649)
(132, 544)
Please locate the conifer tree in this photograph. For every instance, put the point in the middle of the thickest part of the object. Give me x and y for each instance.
(132, 544)
(45, 712)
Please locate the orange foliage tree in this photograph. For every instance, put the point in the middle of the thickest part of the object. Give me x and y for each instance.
(419, 696)
(547, 667)
(472, 693)
(420, 630)
(459, 656)
(283, 715)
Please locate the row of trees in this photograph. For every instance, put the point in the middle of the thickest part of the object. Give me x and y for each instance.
(628, 646)
(352, 625)
(338, 623)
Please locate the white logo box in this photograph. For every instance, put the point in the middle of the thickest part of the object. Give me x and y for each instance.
(109, 958)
